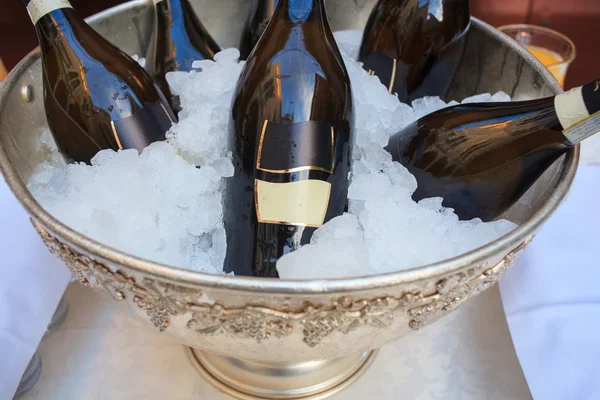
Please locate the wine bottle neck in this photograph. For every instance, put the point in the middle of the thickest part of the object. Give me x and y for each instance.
(578, 111)
(264, 8)
(299, 11)
(38, 8)
(270, 6)
(176, 9)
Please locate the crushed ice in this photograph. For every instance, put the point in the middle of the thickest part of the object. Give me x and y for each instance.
(159, 206)
(140, 60)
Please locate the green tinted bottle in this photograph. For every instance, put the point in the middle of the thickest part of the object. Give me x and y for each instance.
(481, 158)
(96, 97)
(291, 138)
(415, 46)
(179, 39)
(260, 15)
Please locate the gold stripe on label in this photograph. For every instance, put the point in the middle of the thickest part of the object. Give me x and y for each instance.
(332, 150)
(297, 169)
(302, 203)
(583, 129)
(260, 143)
(38, 8)
(165, 110)
(393, 77)
(570, 108)
(114, 129)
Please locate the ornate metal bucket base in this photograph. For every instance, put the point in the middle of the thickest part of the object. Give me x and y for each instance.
(251, 380)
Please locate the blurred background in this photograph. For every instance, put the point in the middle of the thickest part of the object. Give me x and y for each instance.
(577, 19)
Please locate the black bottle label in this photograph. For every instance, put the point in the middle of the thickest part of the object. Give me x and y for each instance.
(578, 111)
(260, 29)
(295, 147)
(384, 67)
(146, 126)
(287, 194)
(391, 72)
(591, 96)
(38, 8)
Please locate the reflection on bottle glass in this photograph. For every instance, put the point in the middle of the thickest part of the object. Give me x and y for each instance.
(290, 136)
(96, 97)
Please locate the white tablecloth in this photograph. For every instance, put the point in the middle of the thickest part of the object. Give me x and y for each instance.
(100, 353)
(32, 283)
(552, 301)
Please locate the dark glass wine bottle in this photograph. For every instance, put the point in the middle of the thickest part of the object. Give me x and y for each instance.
(415, 46)
(481, 158)
(291, 137)
(260, 15)
(179, 39)
(96, 97)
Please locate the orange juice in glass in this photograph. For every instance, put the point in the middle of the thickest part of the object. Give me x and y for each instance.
(553, 49)
(3, 71)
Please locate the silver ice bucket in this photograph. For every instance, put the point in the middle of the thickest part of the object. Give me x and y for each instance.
(271, 339)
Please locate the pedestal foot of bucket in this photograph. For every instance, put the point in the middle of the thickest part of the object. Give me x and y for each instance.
(253, 380)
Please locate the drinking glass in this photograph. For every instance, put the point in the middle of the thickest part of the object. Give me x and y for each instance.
(552, 48)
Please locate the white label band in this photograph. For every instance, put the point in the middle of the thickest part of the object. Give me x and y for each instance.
(38, 8)
(570, 108)
(583, 129)
(302, 203)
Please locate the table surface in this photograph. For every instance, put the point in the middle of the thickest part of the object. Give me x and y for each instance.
(101, 353)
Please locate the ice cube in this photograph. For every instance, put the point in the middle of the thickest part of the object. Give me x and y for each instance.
(140, 60)
(427, 105)
(231, 54)
(340, 258)
(500, 96)
(349, 42)
(479, 98)
(176, 80)
(201, 64)
(368, 186)
(345, 226)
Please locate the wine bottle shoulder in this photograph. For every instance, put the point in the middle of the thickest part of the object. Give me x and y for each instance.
(478, 120)
(397, 27)
(82, 67)
(492, 109)
(295, 86)
(297, 54)
(296, 72)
